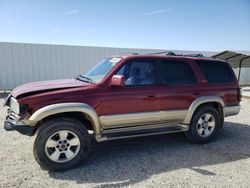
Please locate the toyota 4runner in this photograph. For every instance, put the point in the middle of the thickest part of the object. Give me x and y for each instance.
(124, 96)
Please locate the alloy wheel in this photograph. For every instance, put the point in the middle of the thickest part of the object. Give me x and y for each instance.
(62, 146)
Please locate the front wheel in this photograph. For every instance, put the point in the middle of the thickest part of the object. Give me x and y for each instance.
(61, 144)
(204, 125)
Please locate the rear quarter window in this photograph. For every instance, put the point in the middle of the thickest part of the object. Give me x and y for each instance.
(216, 71)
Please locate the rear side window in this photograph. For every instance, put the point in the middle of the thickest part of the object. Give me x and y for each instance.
(177, 72)
(216, 71)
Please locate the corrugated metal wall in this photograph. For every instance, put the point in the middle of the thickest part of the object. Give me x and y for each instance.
(21, 63)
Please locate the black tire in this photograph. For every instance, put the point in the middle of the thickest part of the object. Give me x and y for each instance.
(52, 126)
(193, 135)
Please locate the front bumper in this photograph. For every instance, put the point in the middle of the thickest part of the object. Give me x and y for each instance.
(14, 122)
(10, 125)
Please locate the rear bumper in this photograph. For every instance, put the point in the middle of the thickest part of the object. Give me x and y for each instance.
(19, 126)
(231, 110)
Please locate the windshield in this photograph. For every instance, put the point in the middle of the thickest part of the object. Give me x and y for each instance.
(101, 69)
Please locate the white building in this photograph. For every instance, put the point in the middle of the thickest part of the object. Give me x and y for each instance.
(21, 63)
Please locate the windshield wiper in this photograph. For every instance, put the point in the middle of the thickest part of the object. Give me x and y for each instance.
(84, 78)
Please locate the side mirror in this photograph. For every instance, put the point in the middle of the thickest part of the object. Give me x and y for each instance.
(117, 80)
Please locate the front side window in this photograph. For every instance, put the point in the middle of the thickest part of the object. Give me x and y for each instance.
(177, 73)
(139, 73)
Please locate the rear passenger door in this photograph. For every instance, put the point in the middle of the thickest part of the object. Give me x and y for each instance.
(180, 89)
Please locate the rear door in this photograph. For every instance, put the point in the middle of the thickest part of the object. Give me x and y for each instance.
(181, 88)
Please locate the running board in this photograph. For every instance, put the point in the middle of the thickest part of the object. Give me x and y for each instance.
(137, 131)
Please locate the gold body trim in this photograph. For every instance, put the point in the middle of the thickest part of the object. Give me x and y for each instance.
(128, 120)
(199, 101)
(68, 107)
(132, 121)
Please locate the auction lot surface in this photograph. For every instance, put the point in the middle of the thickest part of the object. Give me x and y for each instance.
(155, 161)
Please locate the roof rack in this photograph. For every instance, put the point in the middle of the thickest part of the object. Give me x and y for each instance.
(174, 54)
(168, 53)
(195, 55)
(165, 52)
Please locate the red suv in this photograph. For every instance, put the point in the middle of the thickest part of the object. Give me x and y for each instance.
(124, 96)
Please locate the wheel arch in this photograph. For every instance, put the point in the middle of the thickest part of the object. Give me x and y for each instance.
(80, 111)
(213, 101)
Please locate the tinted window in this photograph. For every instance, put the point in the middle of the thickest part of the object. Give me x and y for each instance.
(139, 73)
(216, 72)
(177, 72)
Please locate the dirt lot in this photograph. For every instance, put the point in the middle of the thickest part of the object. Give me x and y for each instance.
(156, 161)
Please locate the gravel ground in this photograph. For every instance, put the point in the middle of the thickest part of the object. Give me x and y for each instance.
(155, 161)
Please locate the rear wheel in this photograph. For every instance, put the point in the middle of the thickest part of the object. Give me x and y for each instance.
(61, 144)
(204, 125)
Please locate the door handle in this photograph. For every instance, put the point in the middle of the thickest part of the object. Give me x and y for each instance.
(197, 94)
(150, 96)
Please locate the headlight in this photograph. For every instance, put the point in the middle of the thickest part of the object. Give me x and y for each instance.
(14, 105)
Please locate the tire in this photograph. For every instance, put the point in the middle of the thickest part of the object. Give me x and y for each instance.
(61, 143)
(202, 128)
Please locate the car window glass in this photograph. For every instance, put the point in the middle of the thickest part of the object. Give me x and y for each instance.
(177, 72)
(121, 71)
(139, 73)
(97, 73)
(215, 71)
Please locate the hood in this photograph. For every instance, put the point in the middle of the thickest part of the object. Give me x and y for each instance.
(36, 87)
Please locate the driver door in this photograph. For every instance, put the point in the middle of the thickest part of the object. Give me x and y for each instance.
(138, 102)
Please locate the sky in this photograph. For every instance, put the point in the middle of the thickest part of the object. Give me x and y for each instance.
(206, 25)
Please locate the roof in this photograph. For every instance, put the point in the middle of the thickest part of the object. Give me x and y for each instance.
(235, 59)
